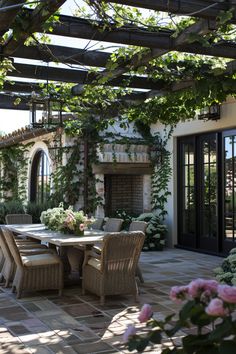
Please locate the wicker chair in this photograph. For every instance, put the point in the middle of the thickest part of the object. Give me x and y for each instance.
(114, 272)
(25, 248)
(34, 272)
(97, 225)
(113, 225)
(18, 219)
(8, 268)
(138, 226)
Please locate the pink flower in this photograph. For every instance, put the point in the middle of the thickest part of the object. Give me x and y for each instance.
(81, 227)
(216, 308)
(197, 286)
(145, 313)
(178, 293)
(129, 332)
(227, 293)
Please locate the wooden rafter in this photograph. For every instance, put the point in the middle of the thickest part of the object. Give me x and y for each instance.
(84, 77)
(65, 55)
(202, 27)
(8, 102)
(132, 35)
(8, 11)
(36, 21)
(194, 8)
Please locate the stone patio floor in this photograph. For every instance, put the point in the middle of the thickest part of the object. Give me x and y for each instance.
(44, 323)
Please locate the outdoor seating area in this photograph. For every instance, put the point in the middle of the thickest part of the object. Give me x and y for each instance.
(117, 176)
(110, 268)
(77, 323)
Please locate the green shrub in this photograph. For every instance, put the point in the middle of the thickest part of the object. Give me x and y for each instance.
(226, 273)
(123, 214)
(36, 209)
(155, 233)
(10, 207)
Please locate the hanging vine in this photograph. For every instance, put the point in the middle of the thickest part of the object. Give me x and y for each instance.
(14, 166)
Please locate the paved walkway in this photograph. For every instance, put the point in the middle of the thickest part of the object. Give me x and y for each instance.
(43, 323)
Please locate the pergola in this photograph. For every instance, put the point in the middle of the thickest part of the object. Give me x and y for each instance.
(158, 42)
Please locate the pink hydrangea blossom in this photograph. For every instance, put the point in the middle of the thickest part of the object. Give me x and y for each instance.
(129, 332)
(198, 286)
(81, 227)
(178, 293)
(227, 293)
(145, 313)
(216, 308)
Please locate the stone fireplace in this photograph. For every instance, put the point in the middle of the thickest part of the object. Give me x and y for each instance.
(124, 183)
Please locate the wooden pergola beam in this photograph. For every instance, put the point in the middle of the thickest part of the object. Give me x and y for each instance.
(201, 27)
(7, 102)
(36, 22)
(60, 54)
(8, 11)
(80, 76)
(21, 87)
(194, 8)
(133, 35)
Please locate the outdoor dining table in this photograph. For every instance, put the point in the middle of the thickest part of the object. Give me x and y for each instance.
(42, 233)
(60, 240)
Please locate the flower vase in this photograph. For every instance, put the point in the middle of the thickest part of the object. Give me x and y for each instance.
(79, 231)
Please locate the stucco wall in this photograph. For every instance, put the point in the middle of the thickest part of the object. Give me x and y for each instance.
(227, 121)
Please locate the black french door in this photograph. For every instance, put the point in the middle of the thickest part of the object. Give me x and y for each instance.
(207, 191)
(229, 189)
(198, 196)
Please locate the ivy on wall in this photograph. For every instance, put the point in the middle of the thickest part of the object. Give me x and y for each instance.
(14, 165)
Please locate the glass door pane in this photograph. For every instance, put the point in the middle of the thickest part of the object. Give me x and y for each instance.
(187, 199)
(229, 194)
(208, 193)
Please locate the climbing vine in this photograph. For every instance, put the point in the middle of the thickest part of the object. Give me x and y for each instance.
(14, 164)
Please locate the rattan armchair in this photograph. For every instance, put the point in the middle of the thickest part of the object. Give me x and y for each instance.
(18, 219)
(8, 268)
(138, 226)
(97, 224)
(114, 272)
(34, 272)
(113, 225)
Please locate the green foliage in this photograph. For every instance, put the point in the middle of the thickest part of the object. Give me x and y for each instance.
(226, 273)
(67, 179)
(207, 329)
(13, 164)
(35, 210)
(155, 232)
(11, 207)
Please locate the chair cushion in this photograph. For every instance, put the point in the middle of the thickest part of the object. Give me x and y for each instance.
(33, 251)
(40, 260)
(30, 245)
(94, 262)
(97, 247)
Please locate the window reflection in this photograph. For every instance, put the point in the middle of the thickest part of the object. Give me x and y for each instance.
(230, 187)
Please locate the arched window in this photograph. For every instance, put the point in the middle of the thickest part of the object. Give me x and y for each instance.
(40, 178)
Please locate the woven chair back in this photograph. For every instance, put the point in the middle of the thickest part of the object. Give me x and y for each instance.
(113, 225)
(138, 226)
(18, 219)
(97, 225)
(10, 240)
(121, 251)
(4, 246)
